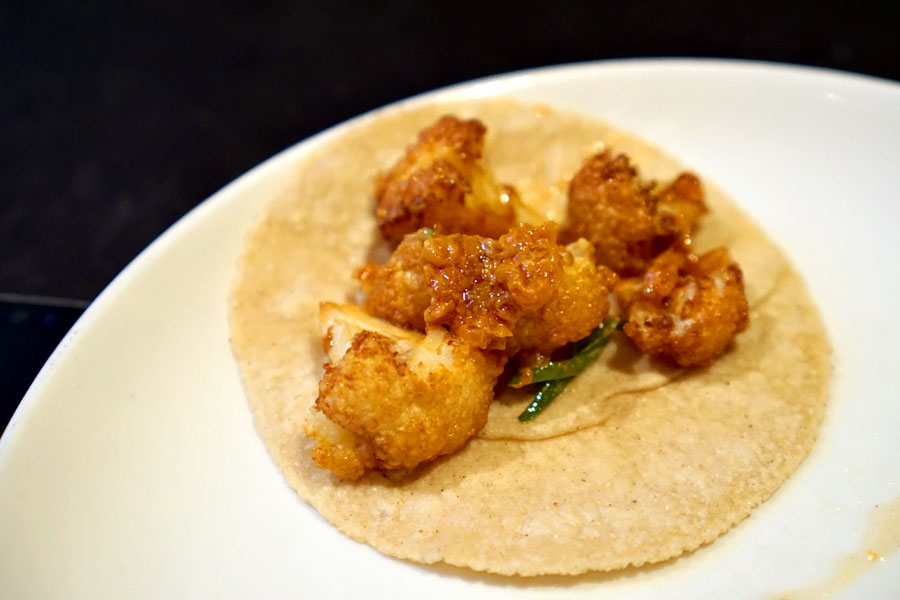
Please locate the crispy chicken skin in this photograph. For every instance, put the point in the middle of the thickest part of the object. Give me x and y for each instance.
(626, 220)
(521, 292)
(441, 182)
(686, 308)
(393, 399)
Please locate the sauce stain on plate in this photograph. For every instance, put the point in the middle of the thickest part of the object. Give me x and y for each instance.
(881, 538)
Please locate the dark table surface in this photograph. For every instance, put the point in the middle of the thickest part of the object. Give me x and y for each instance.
(116, 120)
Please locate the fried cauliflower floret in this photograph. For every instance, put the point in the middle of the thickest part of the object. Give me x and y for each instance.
(629, 223)
(522, 291)
(685, 308)
(480, 287)
(339, 450)
(678, 207)
(442, 183)
(392, 398)
(580, 302)
(398, 291)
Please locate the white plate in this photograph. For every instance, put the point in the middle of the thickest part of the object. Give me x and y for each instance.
(132, 467)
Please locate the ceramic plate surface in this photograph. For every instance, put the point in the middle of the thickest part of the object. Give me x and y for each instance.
(132, 469)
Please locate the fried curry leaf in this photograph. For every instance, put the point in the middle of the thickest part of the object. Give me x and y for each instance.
(587, 352)
(548, 392)
(556, 375)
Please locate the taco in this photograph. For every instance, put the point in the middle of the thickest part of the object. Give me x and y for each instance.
(637, 461)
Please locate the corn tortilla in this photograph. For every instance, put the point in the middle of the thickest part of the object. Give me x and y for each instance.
(636, 462)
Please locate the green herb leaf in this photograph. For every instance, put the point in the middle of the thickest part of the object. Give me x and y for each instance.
(547, 394)
(586, 352)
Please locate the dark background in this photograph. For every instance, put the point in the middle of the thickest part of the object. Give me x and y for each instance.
(117, 118)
